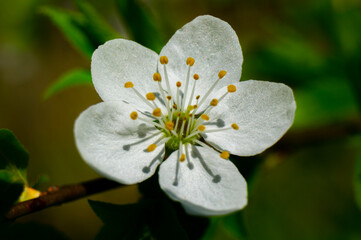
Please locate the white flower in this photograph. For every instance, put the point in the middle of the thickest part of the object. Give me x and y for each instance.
(182, 103)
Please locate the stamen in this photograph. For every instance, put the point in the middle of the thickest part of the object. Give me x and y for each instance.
(190, 62)
(182, 127)
(150, 96)
(151, 147)
(163, 60)
(133, 115)
(169, 97)
(205, 117)
(190, 165)
(182, 157)
(235, 126)
(231, 88)
(157, 77)
(157, 112)
(214, 102)
(224, 155)
(195, 77)
(169, 125)
(201, 128)
(221, 74)
(131, 85)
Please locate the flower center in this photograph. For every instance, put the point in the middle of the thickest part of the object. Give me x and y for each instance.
(183, 122)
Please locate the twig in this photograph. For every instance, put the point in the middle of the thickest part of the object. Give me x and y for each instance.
(59, 195)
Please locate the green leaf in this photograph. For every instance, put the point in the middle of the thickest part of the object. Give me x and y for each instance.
(98, 30)
(30, 231)
(73, 78)
(69, 23)
(141, 24)
(13, 156)
(13, 163)
(357, 181)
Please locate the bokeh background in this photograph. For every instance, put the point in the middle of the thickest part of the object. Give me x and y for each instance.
(305, 187)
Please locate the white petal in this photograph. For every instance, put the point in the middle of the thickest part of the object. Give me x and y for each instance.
(114, 145)
(198, 190)
(119, 61)
(213, 44)
(264, 111)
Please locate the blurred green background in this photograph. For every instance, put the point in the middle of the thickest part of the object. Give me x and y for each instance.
(305, 187)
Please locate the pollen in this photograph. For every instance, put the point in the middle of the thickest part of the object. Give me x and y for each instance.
(205, 117)
(231, 88)
(182, 157)
(214, 102)
(169, 125)
(198, 96)
(195, 76)
(150, 96)
(190, 61)
(163, 60)
(157, 77)
(190, 108)
(224, 155)
(157, 112)
(179, 84)
(134, 115)
(151, 147)
(235, 126)
(128, 85)
(169, 97)
(221, 74)
(201, 128)
(195, 106)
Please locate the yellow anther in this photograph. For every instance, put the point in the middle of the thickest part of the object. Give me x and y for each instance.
(169, 125)
(235, 126)
(134, 115)
(179, 84)
(196, 76)
(157, 77)
(231, 88)
(157, 112)
(198, 96)
(201, 128)
(190, 108)
(214, 102)
(151, 147)
(190, 61)
(169, 98)
(224, 155)
(195, 106)
(221, 74)
(175, 106)
(150, 96)
(182, 157)
(205, 117)
(163, 60)
(128, 85)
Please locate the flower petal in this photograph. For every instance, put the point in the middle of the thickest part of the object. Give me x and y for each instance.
(114, 145)
(212, 187)
(213, 44)
(119, 61)
(264, 111)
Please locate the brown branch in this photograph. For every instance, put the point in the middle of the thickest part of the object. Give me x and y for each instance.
(59, 195)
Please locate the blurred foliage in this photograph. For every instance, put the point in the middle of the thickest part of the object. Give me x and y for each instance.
(313, 46)
(75, 77)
